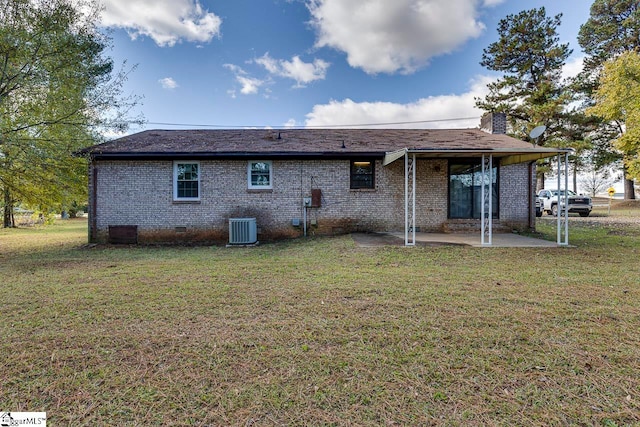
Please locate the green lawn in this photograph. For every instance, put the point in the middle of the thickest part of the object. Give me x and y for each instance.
(321, 332)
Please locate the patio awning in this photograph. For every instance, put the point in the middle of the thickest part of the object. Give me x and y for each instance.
(506, 156)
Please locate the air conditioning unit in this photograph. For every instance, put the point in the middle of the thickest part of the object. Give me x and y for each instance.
(243, 231)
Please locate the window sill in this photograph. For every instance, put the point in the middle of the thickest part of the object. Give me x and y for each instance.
(363, 190)
(259, 190)
(186, 202)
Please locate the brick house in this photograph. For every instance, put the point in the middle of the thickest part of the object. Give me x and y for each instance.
(171, 186)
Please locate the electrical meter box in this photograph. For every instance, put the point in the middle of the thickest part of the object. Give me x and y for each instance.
(316, 197)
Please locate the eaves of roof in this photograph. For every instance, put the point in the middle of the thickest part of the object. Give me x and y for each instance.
(315, 144)
(235, 155)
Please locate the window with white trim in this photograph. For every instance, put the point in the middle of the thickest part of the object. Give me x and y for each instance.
(186, 181)
(259, 175)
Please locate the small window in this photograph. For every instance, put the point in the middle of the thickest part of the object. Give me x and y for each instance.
(362, 174)
(186, 181)
(259, 175)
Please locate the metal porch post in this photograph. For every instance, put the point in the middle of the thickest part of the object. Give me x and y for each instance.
(486, 191)
(563, 214)
(409, 199)
(566, 200)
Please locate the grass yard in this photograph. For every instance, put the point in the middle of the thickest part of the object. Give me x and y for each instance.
(321, 332)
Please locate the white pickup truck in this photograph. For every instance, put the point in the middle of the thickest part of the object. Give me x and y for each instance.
(539, 207)
(577, 203)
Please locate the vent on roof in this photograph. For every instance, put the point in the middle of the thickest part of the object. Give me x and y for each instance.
(242, 231)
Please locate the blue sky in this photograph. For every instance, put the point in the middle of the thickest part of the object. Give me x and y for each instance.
(279, 63)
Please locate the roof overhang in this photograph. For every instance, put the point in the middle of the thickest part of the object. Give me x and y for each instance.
(392, 156)
(506, 156)
(96, 155)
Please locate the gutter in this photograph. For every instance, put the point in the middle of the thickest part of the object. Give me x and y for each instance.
(232, 155)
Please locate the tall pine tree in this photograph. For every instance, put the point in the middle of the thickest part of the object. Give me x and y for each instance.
(530, 57)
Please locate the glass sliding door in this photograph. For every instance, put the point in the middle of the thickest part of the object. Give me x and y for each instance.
(465, 189)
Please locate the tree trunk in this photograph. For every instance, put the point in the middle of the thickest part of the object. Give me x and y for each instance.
(539, 181)
(8, 207)
(629, 191)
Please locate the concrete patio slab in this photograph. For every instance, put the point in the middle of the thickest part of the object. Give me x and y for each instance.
(499, 240)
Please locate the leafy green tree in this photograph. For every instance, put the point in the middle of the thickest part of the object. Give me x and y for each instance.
(618, 99)
(58, 93)
(612, 29)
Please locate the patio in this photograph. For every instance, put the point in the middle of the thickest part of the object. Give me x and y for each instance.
(500, 240)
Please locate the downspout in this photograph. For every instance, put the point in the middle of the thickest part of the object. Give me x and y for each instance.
(532, 195)
(93, 202)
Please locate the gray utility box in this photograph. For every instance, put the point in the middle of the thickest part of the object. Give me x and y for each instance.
(243, 231)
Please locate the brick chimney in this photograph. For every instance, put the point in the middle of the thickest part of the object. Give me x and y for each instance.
(494, 122)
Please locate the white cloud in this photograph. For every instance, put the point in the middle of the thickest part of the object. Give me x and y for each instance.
(168, 83)
(429, 111)
(235, 69)
(291, 123)
(573, 67)
(296, 69)
(165, 21)
(491, 3)
(388, 36)
(249, 85)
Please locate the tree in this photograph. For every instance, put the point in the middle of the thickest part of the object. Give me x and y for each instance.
(617, 99)
(58, 93)
(612, 29)
(530, 56)
(596, 180)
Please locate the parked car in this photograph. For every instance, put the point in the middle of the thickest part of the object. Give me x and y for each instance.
(576, 203)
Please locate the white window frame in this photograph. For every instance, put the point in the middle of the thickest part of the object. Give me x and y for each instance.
(259, 187)
(175, 181)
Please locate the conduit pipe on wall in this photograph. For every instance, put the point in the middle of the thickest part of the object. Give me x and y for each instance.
(304, 218)
(532, 197)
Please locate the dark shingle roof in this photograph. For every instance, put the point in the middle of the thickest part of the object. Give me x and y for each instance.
(299, 142)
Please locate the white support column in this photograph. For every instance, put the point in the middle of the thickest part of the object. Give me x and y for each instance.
(413, 199)
(486, 207)
(566, 200)
(409, 199)
(562, 224)
(558, 186)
